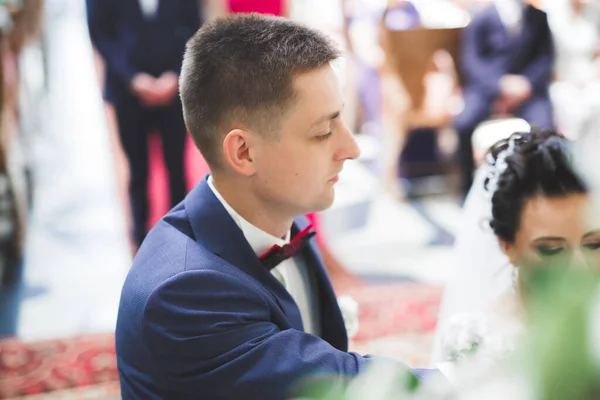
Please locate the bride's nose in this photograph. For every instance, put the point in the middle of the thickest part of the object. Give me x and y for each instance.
(579, 260)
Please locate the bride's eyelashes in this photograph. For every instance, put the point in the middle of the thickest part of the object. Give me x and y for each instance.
(592, 245)
(549, 251)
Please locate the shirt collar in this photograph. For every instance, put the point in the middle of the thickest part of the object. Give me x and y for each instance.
(149, 7)
(259, 240)
(511, 12)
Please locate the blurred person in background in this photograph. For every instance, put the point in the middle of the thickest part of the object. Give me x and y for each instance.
(507, 61)
(362, 24)
(141, 43)
(381, 94)
(576, 92)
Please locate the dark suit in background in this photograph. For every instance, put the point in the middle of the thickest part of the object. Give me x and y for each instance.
(131, 42)
(489, 52)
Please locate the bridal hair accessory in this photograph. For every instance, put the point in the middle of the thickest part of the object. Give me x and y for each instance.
(497, 158)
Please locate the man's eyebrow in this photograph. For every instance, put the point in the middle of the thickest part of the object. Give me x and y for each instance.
(327, 117)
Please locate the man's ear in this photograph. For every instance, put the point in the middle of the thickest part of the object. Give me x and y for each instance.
(236, 152)
(509, 250)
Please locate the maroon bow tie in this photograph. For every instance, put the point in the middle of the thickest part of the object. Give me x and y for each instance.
(276, 254)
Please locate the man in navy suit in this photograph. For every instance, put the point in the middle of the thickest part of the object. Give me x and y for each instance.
(203, 313)
(142, 44)
(507, 59)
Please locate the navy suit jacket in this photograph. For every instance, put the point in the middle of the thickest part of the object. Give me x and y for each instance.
(131, 43)
(201, 318)
(489, 52)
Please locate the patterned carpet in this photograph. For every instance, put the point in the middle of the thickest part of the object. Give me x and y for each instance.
(396, 320)
(55, 366)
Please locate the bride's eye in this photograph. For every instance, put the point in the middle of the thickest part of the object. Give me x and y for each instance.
(547, 251)
(592, 245)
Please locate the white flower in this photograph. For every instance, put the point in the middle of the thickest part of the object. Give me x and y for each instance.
(487, 337)
(464, 334)
(349, 308)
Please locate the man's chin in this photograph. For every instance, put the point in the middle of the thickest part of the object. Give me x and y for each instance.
(324, 203)
(318, 204)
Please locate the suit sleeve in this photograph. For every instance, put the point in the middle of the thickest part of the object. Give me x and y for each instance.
(102, 24)
(476, 70)
(539, 71)
(213, 335)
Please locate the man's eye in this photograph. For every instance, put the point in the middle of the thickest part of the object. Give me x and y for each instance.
(324, 137)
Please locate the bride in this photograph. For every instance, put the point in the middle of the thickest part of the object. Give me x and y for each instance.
(541, 211)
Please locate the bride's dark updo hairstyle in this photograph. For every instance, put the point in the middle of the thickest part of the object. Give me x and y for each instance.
(528, 164)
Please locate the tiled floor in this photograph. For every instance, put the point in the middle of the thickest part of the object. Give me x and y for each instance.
(77, 254)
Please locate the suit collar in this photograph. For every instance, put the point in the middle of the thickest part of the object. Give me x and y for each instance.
(521, 26)
(259, 240)
(149, 8)
(511, 13)
(515, 43)
(212, 224)
(215, 230)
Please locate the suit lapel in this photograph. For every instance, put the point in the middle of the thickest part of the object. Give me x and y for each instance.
(512, 40)
(497, 21)
(216, 231)
(211, 224)
(333, 329)
(521, 44)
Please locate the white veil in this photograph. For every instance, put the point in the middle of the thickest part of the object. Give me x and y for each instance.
(480, 272)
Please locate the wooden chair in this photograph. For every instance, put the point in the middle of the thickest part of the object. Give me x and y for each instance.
(411, 54)
(410, 98)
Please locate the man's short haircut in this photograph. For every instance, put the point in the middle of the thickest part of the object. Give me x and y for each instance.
(240, 70)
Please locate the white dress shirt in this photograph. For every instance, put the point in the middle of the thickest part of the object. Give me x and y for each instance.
(511, 14)
(291, 273)
(149, 7)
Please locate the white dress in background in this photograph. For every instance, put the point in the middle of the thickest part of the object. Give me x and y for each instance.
(576, 92)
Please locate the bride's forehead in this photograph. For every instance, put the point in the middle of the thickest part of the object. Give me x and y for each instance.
(558, 214)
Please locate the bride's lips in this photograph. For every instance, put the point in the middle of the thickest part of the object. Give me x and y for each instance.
(335, 179)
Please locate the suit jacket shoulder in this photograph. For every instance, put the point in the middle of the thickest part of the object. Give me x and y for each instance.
(200, 317)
